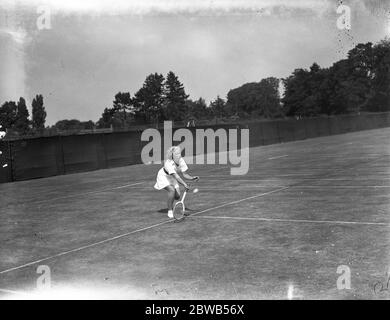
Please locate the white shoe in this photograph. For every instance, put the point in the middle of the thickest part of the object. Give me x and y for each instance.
(170, 214)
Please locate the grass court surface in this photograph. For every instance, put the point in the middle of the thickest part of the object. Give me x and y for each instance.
(279, 232)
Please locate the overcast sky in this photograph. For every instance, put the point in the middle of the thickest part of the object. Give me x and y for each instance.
(93, 50)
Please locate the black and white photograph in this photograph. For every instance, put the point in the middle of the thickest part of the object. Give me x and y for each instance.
(196, 151)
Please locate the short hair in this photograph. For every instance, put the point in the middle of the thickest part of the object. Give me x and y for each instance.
(171, 151)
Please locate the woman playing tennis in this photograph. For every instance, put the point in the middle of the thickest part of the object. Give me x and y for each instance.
(168, 176)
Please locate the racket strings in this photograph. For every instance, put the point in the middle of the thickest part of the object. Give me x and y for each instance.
(179, 211)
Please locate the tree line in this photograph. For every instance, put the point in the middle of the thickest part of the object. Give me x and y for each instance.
(15, 116)
(360, 82)
(163, 98)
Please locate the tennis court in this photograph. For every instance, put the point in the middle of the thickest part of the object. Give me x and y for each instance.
(279, 232)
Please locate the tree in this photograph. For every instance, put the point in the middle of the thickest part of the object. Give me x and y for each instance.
(89, 125)
(66, 125)
(217, 107)
(73, 124)
(197, 109)
(356, 83)
(123, 105)
(22, 123)
(269, 98)
(121, 114)
(295, 92)
(257, 98)
(8, 112)
(106, 119)
(379, 96)
(174, 98)
(302, 96)
(38, 113)
(345, 87)
(338, 85)
(348, 82)
(148, 101)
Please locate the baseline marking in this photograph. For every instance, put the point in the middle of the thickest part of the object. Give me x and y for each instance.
(294, 220)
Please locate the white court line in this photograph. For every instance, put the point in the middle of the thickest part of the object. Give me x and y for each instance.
(256, 177)
(294, 220)
(85, 193)
(340, 187)
(306, 186)
(14, 292)
(303, 179)
(124, 186)
(132, 232)
(286, 155)
(84, 247)
(241, 200)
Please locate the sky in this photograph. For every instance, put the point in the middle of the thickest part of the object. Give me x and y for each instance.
(91, 50)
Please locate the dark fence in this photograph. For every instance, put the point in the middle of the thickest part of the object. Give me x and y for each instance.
(5, 162)
(49, 156)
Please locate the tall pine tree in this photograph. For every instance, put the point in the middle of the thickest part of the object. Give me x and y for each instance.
(38, 113)
(123, 103)
(22, 122)
(148, 101)
(175, 97)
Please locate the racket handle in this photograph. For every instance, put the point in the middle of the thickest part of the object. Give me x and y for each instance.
(184, 195)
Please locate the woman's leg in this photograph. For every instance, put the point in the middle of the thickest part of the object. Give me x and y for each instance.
(177, 193)
(172, 196)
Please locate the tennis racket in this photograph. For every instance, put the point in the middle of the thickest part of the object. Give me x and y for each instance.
(179, 208)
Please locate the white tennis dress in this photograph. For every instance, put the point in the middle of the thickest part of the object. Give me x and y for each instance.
(164, 175)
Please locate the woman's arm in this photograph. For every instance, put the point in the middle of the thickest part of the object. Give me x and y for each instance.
(189, 177)
(180, 180)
